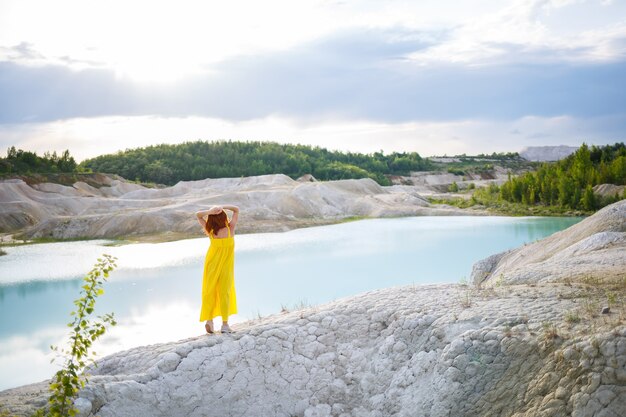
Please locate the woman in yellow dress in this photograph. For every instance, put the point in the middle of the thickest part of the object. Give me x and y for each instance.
(218, 280)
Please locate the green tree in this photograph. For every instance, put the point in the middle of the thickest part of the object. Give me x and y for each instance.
(22, 162)
(618, 170)
(169, 164)
(566, 183)
(66, 162)
(566, 191)
(588, 200)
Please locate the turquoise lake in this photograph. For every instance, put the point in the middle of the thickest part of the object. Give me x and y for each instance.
(155, 291)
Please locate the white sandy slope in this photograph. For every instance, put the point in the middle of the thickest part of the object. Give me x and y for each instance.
(268, 203)
(595, 248)
(609, 190)
(437, 184)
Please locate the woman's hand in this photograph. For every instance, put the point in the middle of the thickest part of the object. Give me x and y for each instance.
(215, 210)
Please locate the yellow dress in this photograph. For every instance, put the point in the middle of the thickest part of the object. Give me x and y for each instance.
(218, 280)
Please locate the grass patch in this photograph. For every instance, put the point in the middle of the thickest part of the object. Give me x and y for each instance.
(591, 295)
(550, 331)
(591, 307)
(572, 317)
(116, 243)
(55, 240)
(508, 209)
(2, 252)
(352, 219)
(38, 240)
(301, 305)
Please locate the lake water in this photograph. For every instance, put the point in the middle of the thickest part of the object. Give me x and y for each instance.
(155, 291)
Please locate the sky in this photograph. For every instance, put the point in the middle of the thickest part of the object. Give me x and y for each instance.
(436, 77)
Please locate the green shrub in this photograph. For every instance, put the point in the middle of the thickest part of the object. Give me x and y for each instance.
(69, 379)
(456, 171)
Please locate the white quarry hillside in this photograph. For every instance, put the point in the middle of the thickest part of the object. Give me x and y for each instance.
(609, 190)
(595, 248)
(547, 153)
(437, 184)
(539, 349)
(268, 202)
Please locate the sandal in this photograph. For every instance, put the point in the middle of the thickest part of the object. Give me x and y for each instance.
(226, 329)
(209, 327)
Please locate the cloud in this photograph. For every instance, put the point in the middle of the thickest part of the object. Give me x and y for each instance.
(51, 92)
(26, 54)
(22, 52)
(177, 40)
(351, 75)
(527, 31)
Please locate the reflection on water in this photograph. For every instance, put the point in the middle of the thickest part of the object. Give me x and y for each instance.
(155, 292)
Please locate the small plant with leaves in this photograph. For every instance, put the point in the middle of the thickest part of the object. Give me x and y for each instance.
(500, 281)
(611, 298)
(69, 379)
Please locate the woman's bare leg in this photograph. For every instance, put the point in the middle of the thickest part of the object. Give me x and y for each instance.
(209, 326)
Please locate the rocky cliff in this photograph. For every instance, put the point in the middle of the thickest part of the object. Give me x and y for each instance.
(443, 350)
(594, 249)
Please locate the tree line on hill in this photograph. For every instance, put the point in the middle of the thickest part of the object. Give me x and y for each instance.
(569, 183)
(168, 164)
(22, 162)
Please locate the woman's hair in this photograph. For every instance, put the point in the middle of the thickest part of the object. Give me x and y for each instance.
(215, 222)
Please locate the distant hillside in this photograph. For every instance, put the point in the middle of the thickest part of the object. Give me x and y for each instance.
(547, 153)
(168, 164)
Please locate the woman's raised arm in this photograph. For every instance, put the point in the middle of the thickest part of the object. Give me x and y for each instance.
(235, 218)
(202, 214)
